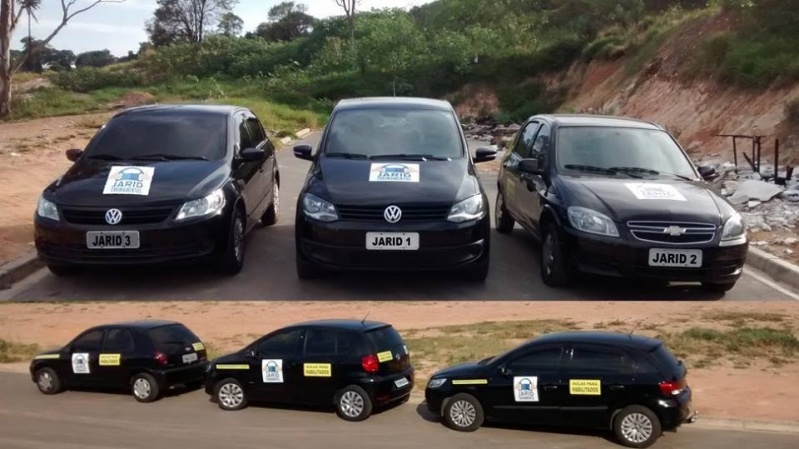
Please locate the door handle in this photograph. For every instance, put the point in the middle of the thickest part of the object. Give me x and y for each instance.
(616, 387)
(549, 387)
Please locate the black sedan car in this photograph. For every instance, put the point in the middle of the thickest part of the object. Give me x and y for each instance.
(393, 186)
(145, 357)
(595, 380)
(350, 364)
(618, 197)
(161, 184)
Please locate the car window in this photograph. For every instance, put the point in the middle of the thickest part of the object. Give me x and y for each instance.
(375, 132)
(186, 135)
(320, 342)
(386, 338)
(615, 147)
(540, 143)
(541, 361)
(671, 366)
(525, 143)
(245, 140)
(166, 338)
(118, 340)
(281, 344)
(89, 341)
(584, 359)
(256, 131)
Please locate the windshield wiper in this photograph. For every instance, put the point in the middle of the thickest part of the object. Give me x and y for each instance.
(171, 157)
(105, 157)
(590, 168)
(414, 157)
(649, 172)
(347, 155)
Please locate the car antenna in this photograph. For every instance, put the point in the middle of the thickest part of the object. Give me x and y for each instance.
(637, 323)
(364, 318)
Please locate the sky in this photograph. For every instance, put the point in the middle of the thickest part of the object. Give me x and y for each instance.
(119, 27)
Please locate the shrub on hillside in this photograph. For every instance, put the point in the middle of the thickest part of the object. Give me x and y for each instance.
(87, 79)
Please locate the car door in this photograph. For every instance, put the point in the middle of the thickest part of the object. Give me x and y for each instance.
(275, 372)
(326, 365)
(246, 173)
(532, 188)
(597, 378)
(512, 177)
(266, 167)
(83, 358)
(115, 358)
(528, 388)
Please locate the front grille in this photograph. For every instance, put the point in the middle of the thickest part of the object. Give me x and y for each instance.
(83, 254)
(656, 231)
(409, 213)
(130, 216)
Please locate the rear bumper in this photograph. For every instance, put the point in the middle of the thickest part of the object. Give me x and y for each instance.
(675, 412)
(383, 389)
(176, 376)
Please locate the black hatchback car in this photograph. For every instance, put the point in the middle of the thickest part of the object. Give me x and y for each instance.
(352, 365)
(596, 380)
(618, 197)
(393, 186)
(161, 184)
(145, 357)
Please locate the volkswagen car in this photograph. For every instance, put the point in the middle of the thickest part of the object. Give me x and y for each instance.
(393, 186)
(161, 184)
(618, 197)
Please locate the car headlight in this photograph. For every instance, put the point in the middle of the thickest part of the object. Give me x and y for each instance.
(469, 209)
(593, 222)
(318, 209)
(211, 204)
(734, 232)
(435, 383)
(47, 209)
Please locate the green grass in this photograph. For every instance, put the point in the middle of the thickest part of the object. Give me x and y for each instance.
(741, 343)
(11, 352)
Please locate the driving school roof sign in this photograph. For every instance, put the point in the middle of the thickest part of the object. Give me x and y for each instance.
(129, 180)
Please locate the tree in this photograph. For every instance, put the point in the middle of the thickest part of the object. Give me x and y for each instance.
(96, 58)
(287, 21)
(349, 11)
(230, 24)
(10, 14)
(185, 20)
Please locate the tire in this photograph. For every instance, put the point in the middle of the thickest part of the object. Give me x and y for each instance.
(231, 260)
(637, 426)
(353, 404)
(47, 381)
(306, 269)
(63, 270)
(144, 388)
(273, 211)
(555, 268)
(230, 395)
(503, 221)
(464, 413)
(718, 288)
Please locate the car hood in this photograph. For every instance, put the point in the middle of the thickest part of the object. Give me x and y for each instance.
(235, 357)
(645, 199)
(357, 182)
(172, 181)
(52, 353)
(461, 371)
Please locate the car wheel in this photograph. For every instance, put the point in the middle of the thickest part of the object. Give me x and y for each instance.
(718, 288)
(353, 404)
(63, 270)
(231, 260)
(145, 388)
(230, 395)
(637, 426)
(504, 222)
(306, 269)
(273, 211)
(555, 268)
(464, 413)
(47, 381)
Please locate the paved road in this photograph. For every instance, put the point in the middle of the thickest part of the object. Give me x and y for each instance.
(269, 273)
(89, 420)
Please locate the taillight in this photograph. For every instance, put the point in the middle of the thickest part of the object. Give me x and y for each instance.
(673, 388)
(370, 363)
(161, 358)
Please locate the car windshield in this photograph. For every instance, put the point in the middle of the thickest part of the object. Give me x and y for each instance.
(161, 137)
(402, 133)
(614, 151)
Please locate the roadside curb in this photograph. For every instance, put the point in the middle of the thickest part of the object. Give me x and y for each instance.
(18, 269)
(745, 425)
(776, 268)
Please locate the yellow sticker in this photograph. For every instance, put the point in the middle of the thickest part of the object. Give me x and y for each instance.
(384, 356)
(198, 346)
(317, 370)
(470, 382)
(47, 356)
(109, 359)
(585, 387)
(229, 366)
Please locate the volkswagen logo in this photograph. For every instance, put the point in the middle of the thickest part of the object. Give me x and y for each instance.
(113, 216)
(674, 230)
(392, 214)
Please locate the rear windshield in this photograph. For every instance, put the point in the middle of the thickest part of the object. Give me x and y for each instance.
(667, 363)
(181, 136)
(170, 337)
(383, 132)
(385, 338)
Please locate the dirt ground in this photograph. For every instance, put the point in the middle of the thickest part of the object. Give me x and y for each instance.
(768, 392)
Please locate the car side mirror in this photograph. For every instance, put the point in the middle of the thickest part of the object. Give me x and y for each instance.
(505, 371)
(708, 172)
(303, 152)
(485, 154)
(252, 155)
(74, 154)
(531, 166)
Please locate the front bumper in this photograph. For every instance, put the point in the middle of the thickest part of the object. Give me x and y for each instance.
(442, 245)
(628, 258)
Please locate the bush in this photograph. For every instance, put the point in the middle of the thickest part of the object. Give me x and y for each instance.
(87, 79)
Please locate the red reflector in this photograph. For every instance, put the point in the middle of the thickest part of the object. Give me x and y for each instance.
(671, 388)
(370, 363)
(161, 358)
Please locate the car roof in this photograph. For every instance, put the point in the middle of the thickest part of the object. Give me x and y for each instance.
(140, 324)
(599, 337)
(352, 325)
(183, 109)
(598, 120)
(393, 102)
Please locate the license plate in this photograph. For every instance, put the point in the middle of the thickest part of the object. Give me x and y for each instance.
(392, 241)
(188, 358)
(401, 382)
(683, 258)
(112, 239)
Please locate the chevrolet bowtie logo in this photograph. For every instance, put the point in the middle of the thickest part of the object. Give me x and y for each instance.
(675, 230)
